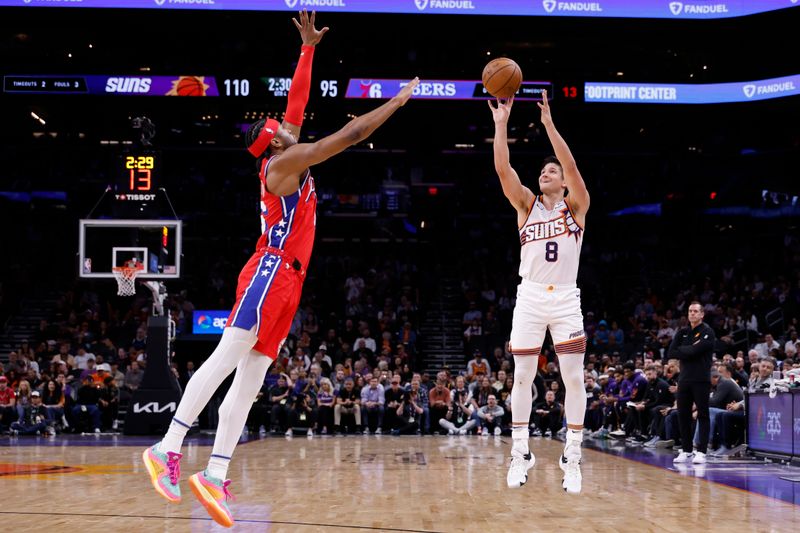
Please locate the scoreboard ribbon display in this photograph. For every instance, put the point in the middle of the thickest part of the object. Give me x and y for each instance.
(691, 9)
(113, 85)
(711, 93)
(439, 89)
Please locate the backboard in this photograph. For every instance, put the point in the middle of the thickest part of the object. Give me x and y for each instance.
(107, 243)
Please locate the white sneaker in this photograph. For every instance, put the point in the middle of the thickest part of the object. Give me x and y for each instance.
(485, 432)
(378, 431)
(699, 458)
(451, 431)
(310, 433)
(683, 457)
(572, 474)
(289, 432)
(498, 431)
(462, 431)
(518, 471)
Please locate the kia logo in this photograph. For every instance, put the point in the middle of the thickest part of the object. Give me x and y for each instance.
(676, 8)
(749, 90)
(549, 5)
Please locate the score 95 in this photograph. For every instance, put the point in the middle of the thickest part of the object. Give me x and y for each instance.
(329, 88)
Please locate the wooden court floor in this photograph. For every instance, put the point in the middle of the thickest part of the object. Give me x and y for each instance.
(375, 483)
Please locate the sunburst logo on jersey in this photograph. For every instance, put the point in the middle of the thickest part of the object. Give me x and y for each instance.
(189, 86)
(573, 229)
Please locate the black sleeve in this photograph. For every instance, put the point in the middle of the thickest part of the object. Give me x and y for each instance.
(700, 347)
(674, 345)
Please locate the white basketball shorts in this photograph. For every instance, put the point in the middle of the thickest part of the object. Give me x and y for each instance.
(541, 306)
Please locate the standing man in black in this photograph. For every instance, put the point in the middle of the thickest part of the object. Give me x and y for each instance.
(693, 345)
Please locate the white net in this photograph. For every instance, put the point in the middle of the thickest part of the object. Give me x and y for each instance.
(126, 280)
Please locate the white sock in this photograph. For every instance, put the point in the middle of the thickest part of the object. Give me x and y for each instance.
(247, 381)
(174, 437)
(218, 466)
(519, 435)
(573, 444)
(234, 345)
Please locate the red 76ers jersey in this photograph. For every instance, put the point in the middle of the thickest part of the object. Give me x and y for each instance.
(289, 222)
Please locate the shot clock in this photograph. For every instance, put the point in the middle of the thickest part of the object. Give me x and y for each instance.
(137, 172)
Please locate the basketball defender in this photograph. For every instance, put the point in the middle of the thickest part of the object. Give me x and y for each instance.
(550, 232)
(269, 285)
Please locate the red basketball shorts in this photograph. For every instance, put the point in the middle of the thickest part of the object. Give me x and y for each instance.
(267, 296)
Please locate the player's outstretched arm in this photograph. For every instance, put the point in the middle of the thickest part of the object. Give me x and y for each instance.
(301, 82)
(579, 196)
(519, 195)
(283, 172)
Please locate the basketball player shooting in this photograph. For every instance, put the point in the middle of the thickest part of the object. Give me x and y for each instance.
(269, 285)
(550, 231)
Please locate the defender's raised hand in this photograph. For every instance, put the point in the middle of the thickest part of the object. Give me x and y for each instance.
(405, 92)
(311, 36)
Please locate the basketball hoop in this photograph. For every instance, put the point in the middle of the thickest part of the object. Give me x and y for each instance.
(126, 278)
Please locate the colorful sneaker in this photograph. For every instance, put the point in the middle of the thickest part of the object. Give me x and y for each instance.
(165, 472)
(213, 493)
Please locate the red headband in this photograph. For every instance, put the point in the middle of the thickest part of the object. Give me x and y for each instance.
(265, 136)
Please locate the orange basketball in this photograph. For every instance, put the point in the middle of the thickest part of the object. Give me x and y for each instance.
(502, 77)
(190, 86)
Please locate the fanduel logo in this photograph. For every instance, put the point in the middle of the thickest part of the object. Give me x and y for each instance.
(153, 407)
(291, 3)
(773, 424)
(159, 2)
(444, 4)
(677, 7)
(128, 85)
(751, 90)
(318, 3)
(552, 5)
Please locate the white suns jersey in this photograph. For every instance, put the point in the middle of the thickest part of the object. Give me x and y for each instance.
(551, 244)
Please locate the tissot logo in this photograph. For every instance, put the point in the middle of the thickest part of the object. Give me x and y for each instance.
(549, 5)
(421, 4)
(291, 3)
(676, 8)
(749, 90)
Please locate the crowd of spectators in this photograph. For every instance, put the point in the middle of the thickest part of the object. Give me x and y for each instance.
(90, 357)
